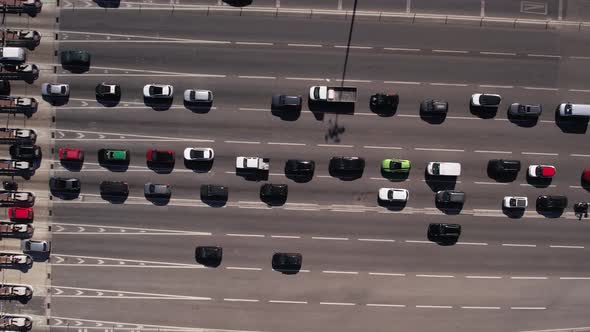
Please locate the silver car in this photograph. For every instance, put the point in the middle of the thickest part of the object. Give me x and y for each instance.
(35, 246)
(198, 96)
(55, 89)
(157, 190)
(525, 110)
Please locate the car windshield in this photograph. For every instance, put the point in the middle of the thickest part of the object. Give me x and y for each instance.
(63, 89)
(197, 154)
(156, 90)
(395, 165)
(539, 171)
(435, 168)
(390, 194)
(316, 93)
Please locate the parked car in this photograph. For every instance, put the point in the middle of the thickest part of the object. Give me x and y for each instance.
(503, 166)
(551, 202)
(113, 155)
(157, 190)
(159, 91)
(29, 246)
(213, 192)
(160, 156)
(199, 154)
(75, 58)
(525, 110)
(450, 197)
(68, 154)
(515, 202)
(287, 261)
(25, 152)
(198, 96)
(431, 106)
(394, 195)
(396, 166)
(586, 175)
(541, 171)
(60, 184)
(384, 101)
(209, 255)
(347, 164)
(21, 214)
(286, 102)
(485, 100)
(114, 188)
(12, 55)
(443, 233)
(106, 90)
(299, 168)
(55, 90)
(274, 192)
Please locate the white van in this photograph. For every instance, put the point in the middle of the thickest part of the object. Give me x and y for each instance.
(438, 168)
(13, 55)
(569, 109)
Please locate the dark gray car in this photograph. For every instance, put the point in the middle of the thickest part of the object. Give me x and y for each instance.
(525, 110)
(157, 190)
(431, 106)
(285, 102)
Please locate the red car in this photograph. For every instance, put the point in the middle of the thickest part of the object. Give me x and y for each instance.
(586, 175)
(20, 214)
(68, 154)
(160, 156)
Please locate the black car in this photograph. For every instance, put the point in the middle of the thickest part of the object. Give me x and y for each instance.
(285, 102)
(213, 192)
(209, 255)
(382, 101)
(114, 188)
(4, 88)
(431, 106)
(274, 192)
(75, 58)
(59, 184)
(347, 164)
(525, 110)
(105, 90)
(25, 152)
(299, 168)
(503, 166)
(443, 233)
(450, 197)
(551, 202)
(287, 261)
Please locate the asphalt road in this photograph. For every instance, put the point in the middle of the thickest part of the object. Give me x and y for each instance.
(364, 265)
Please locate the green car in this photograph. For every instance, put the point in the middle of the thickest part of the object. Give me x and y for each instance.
(114, 155)
(396, 166)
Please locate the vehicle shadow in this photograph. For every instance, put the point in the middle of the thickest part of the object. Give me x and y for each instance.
(158, 104)
(160, 168)
(199, 166)
(56, 101)
(483, 112)
(108, 3)
(513, 213)
(115, 166)
(391, 206)
(290, 115)
(345, 176)
(395, 177)
(114, 199)
(299, 179)
(433, 119)
(556, 213)
(584, 184)
(449, 208)
(201, 108)
(273, 201)
(215, 203)
(292, 271)
(213, 263)
(571, 125)
(522, 121)
(40, 257)
(383, 112)
(319, 109)
(436, 183)
(538, 182)
(252, 175)
(108, 102)
(65, 195)
(75, 69)
(158, 201)
(72, 166)
(238, 3)
(499, 177)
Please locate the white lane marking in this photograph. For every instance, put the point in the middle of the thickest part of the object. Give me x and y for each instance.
(80, 290)
(441, 150)
(255, 43)
(285, 237)
(530, 185)
(258, 77)
(244, 235)
(496, 86)
(386, 274)
(284, 143)
(335, 145)
(253, 109)
(240, 300)
(382, 147)
(287, 302)
(528, 308)
(529, 278)
(541, 153)
(359, 81)
(243, 268)
(567, 247)
(578, 90)
(401, 49)
(463, 118)
(119, 259)
(304, 45)
(241, 142)
(140, 36)
(354, 47)
(518, 245)
(418, 241)
(434, 276)
(576, 187)
(340, 272)
(539, 88)
(448, 84)
(338, 303)
(376, 240)
(133, 228)
(305, 78)
(473, 243)
(482, 308)
(574, 278)
(379, 179)
(330, 238)
(544, 56)
(450, 51)
(435, 306)
(135, 135)
(580, 155)
(580, 57)
(497, 53)
(402, 82)
(323, 176)
(483, 277)
(494, 183)
(385, 305)
(492, 151)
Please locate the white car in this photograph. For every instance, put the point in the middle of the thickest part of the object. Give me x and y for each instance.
(199, 154)
(485, 100)
(198, 96)
(13, 55)
(515, 202)
(541, 171)
(55, 90)
(158, 91)
(394, 194)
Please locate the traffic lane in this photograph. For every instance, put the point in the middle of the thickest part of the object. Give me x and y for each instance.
(299, 223)
(328, 32)
(332, 255)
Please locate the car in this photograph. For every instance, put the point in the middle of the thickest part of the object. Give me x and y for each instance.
(21, 214)
(25, 152)
(443, 233)
(160, 156)
(209, 255)
(59, 184)
(214, 192)
(286, 102)
(382, 101)
(157, 190)
(199, 154)
(113, 155)
(396, 166)
(586, 175)
(287, 261)
(503, 166)
(431, 106)
(299, 168)
(541, 171)
(75, 58)
(551, 202)
(347, 164)
(55, 90)
(114, 188)
(449, 197)
(106, 90)
(29, 246)
(515, 202)
(159, 91)
(12, 55)
(485, 100)
(4, 88)
(274, 192)
(68, 154)
(525, 110)
(394, 195)
(198, 96)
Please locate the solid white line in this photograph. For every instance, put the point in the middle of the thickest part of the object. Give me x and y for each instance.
(379, 179)
(518, 245)
(576, 187)
(285, 236)
(526, 184)
(442, 150)
(243, 268)
(497, 53)
(386, 305)
(463, 118)
(290, 144)
(417, 241)
(496, 86)
(338, 303)
(402, 49)
(340, 272)
(241, 300)
(483, 277)
(402, 82)
(488, 308)
(385, 274)
(528, 308)
(544, 56)
(574, 278)
(359, 81)
(538, 88)
(568, 247)
(448, 84)
(258, 77)
(579, 155)
(254, 43)
(304, 45)
(335, 145)
(450, 51)
(287, 302)
(580, 57)
(354, 47)
(541, 153)
(329, 238)
(376, 240)
(253, 109)
(382, 147)
(578, 90)
(434, 276)
(323, 176)
(473, 243)
(435, 306)
(244, 235)
(529, 278)
(491, 151)
(305, 78)
(241, 142)
(494, 183)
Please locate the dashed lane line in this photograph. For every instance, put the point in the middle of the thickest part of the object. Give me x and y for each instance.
(450, 51)
(338, 303)
(480, 308)
(241, 268)
(305, 45)
(519, 245)
(258, 77)
(439, 150)
(306, 79)
(402, 49)
(540, 153)
(483, 277)
(472, 243)
(287, 302)
(498, 53)
(528, 308)
(539, 88)
(241, 142)
(580, 155)
(418, 241)
(529, 278)
(434, 276)
(574, 278)
(329, 238)
(382, 147)
(387, 274)
(335, 145)
(496, 87)
(566, 247)
(402, 82)
(285, 237)
(285, 143)
(544, 56)
(384, 305)
(244, 235)
(493, 151)
(492, 183)
(449, 84)
(340, 272)
(376, 240)
(254, 43)
(434, 306)
(240, 300)
(354, 47)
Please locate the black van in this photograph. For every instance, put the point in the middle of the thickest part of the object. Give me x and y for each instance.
(114, 189)
(213, 192)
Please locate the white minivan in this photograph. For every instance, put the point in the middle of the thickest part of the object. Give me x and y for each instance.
(13, 55)
(437, 168)
(574, 110)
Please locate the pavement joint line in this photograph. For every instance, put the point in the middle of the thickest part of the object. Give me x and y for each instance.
(254, 43)
(580, 57)
(437, 149)
(339, 303)
(409, 115)
(402, 49)
(335, 145)
(329, 238)
(483, 277)
(566, 247)
(358, 81)
(529, 278)
(518, 245)
(376, 240)
(385, 305)
(402, 82)
(450, 51)
(258, 77)
(539, 88)
(434, 276)
(541, 153)
(284, 143)
(305, 45)
(544, 55)
(497, 53)
(473, 243)
(130, 228)
(244, 235)
(240, 300)
(241, 268)
(496, 86)
(448, 84)
(285, 236)
(241, 142)
(482, 308)
(287, 302)
(528, 308)
(492, 151)
(387, 274)
(435, 306)
(340, 272)
(492, 183)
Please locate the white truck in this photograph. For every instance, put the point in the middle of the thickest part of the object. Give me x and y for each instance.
(14, 167)
(16, 198)
(13, 322)
(252, 163)
(20, 231)
(17, 136)
(15, 261)
(21, 293)
(332, 94)
(437, 168)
